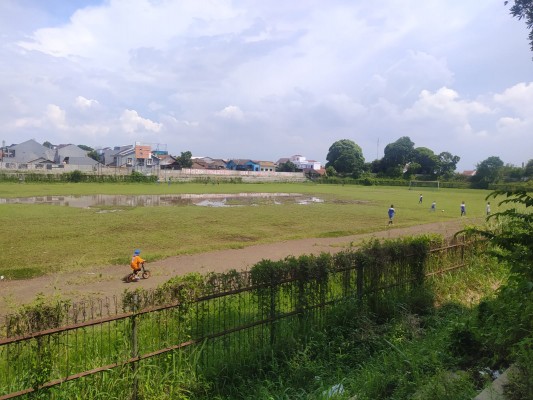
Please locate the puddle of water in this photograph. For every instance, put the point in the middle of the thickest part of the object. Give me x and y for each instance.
(202, 200)
(310, 200)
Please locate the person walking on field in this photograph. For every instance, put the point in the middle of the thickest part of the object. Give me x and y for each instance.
(463, 209)
(433, 206)
(392, 211)
(420, 199)
(487, 209)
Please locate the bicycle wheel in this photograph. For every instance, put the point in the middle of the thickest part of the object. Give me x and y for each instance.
(146, 274)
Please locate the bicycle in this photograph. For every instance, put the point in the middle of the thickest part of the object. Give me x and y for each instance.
(134, 276)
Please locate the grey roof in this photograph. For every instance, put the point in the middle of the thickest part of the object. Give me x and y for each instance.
(70, 151)
(31, 152)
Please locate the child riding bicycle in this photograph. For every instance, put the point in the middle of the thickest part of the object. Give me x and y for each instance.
(136, 263)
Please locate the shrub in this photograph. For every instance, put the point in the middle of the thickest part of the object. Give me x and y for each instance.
(520, 385)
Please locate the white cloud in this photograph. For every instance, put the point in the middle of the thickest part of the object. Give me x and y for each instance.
(27, 123)
(105, 34)
(446, 104)
(83, 103)
(518, 98)
(56, 116)
(510, 124)
(231, 112)
(132, 122)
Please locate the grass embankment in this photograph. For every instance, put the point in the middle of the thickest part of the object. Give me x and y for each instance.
(409, 356)
(37, 239)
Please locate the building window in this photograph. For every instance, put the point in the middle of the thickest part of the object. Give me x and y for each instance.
(148, 162)
(129, 161)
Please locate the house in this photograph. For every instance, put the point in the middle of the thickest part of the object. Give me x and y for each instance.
(29, 152)
(266, 165)
(138, 158)
(469, 173)
(312, 173)
(282, 161)
(243, 165)
(73, 155)
(107, 155)
(302, 163)
(166, 161)
(208, 163)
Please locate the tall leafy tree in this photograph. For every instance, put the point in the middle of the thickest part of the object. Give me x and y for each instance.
(427, 159)
(488, 171)
(447, 164)
(523, 9)
(397, 154)
(185, 160)
(346, 157)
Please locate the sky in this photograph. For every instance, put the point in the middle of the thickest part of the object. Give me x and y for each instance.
(264, 80)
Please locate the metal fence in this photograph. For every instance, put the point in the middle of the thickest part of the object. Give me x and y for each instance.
(236, 323)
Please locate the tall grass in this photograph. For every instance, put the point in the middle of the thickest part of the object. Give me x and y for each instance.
(409, 356)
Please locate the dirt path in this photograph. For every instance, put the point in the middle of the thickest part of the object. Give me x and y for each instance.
(105, 281)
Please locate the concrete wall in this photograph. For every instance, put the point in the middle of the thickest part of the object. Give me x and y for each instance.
(163, 175)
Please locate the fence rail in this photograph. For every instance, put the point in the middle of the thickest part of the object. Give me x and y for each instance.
(237, 318)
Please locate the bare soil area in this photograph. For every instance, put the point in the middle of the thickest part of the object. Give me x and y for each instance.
(106, 281)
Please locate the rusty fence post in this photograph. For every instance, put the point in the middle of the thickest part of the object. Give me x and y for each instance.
(360, 280)
(134, 346)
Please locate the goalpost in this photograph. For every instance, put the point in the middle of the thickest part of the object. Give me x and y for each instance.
(433, 185)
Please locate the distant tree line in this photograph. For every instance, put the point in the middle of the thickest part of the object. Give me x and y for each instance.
(402, 160)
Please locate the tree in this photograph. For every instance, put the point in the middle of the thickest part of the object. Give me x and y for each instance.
(510, 173)
(85, 147)
(413, 168)
(93, 154)
(346, 157)
(185, 160)
(488, 171)
(447, 164)
(428, 160)
(523, 9)
(330, 171)
(528, 173)
(47, 144)
(287, 166)
(511, 234)
(397, 154)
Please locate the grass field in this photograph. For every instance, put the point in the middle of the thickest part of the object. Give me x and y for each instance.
(37, 239)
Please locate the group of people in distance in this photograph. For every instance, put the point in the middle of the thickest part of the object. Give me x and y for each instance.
(433, 208)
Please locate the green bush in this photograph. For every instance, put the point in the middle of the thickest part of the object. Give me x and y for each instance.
(74, 176)
(446, 385)
(464, 345)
